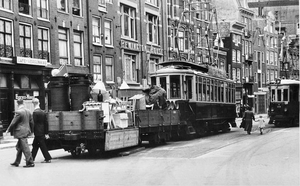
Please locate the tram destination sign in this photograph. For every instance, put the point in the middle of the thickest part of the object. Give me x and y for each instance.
(31, 61)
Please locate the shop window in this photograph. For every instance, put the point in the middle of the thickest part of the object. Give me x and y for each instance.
(3, 81)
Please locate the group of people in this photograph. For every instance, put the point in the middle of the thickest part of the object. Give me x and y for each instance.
(22, 126)
(247, 121)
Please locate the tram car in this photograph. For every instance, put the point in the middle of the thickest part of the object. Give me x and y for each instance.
(284, 103)
(203, 95)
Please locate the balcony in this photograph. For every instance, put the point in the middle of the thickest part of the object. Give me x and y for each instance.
(248, 80)
(249, 58)
(247, 33)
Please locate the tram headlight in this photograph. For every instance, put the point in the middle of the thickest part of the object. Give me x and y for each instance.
(272, 109)
(285, 109)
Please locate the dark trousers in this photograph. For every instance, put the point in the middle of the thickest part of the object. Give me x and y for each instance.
(39, 142)
(23, 147)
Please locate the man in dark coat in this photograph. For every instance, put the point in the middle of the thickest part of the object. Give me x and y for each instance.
(21, 127)
(40, 131)
(248, 116)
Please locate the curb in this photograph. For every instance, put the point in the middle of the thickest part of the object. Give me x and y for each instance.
(135, 150)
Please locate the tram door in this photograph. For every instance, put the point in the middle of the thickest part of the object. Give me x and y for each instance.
(189, 85)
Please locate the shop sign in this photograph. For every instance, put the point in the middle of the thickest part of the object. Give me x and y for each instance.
(130, 45)
(31, 61)
(153, 50)
(135, 46)
(27, 97)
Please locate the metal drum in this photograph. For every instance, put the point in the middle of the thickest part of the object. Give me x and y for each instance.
(60, 100)
(80, 92)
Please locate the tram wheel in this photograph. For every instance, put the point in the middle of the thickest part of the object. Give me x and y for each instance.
(92, 151)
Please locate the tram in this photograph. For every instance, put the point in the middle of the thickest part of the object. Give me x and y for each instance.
(284, 103)
(203, 95)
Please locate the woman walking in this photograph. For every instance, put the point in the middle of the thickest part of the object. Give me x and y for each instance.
(248, 116)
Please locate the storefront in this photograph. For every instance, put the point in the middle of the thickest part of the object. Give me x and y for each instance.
(23, 78)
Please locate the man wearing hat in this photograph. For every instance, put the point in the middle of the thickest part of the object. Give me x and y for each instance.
(21, 127)
(40, 131)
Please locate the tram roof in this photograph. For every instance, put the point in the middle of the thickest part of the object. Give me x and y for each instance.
(184, 64)
(288, 82)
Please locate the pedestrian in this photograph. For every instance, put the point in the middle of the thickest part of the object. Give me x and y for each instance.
(248, 117)
(261, 124)
(21, 127)
(40, 132)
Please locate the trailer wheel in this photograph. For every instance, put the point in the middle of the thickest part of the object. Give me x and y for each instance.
(76, 152)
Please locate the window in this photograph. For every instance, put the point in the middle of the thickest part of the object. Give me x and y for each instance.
(271, 58)
(267, 57)
(96, 30)
(5, 4)
(25, 7)
(97, 66)
(180, 40)
(243, 47)
(128, 21)
(175, 87)
(63, 38)
(43, 43)
(152, 65)
(108, 32)
(238, 56)
(238, 75)
(153, 2)
(6, 45)
(78, 54)
(198, 37)
(246, 48)
(275, 58)
(233, 55)
(268, 75)
(76, 9)
(102, 5)
(152, 28)
(130, 67)
(25, 40)
(62, 5)
(258, 60)
(234, 74)
(43, 9)
(109, 69)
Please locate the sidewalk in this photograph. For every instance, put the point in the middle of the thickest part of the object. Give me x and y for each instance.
(8, 141)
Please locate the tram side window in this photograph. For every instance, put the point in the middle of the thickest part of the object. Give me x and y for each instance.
(200, 89)
(153, 80)
(285, 95)
(278, 95)
(216, 91)
(294, 93)
(222, 91)
(163, 82)
(273, 95)
(207, 89)
(175, 86)
(189, 87)
(204, 90)
(212, 90)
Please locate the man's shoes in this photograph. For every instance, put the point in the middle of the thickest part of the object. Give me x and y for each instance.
(14, 164)
(29, 165)
(46, 161)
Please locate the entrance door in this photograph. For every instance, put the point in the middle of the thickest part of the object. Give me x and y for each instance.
(4, 112)
(261, 104)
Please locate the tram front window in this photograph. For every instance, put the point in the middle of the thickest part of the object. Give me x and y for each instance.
(175, 86)
(279, 95)
(285, 95)
(163, 82)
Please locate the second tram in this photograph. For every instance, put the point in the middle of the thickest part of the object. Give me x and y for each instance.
(284, 103)
(204, 96)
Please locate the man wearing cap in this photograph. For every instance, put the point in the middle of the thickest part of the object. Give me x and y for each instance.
(21, 127)
(40, 131)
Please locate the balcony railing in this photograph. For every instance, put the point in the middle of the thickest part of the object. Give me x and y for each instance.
(6, 51)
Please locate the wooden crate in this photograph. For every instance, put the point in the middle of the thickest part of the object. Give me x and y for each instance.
(92, 120)
(53, 121)
(117, 139)
(75, 120)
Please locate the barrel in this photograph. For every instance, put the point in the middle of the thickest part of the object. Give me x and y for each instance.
(60, 100)
(80, 92)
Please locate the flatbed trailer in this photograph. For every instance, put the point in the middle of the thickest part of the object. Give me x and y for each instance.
(76, 131)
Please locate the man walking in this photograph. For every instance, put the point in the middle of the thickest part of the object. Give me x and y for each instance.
(40, 131)
(21, 126)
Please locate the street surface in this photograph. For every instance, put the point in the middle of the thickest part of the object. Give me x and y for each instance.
(233, 158)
